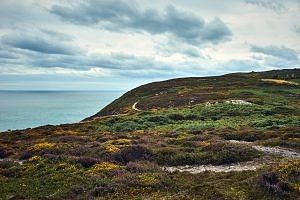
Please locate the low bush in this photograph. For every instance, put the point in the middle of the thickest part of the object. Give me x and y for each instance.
(176, 117)
(271, 182)
(71, 138)
(141, 166)
(3, 152)
(127, 126)
(226, 153)
(86, 161)
(133, 153)
(103, 190)
(26, 155)
(282, 179)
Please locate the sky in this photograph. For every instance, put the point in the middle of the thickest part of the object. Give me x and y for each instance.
(118, 44)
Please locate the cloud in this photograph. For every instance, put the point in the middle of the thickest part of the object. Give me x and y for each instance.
(171, 47)
(276, 51)
(280, 63)
(57, 35)
(49, 43)
(274, 5)
(123, 16)
(4, 54)
(297, 29)
(112, 61)
(236, 65)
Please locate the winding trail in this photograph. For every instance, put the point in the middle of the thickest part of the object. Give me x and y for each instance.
(134, 107)
(242, 166)
(287, 153)
(117, 115)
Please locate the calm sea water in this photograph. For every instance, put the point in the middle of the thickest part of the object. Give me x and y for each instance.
(26, 109)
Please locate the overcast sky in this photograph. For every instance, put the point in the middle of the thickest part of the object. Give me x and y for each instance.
(117, 45)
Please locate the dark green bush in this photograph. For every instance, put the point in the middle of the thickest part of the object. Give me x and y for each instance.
(176, 117)
(127, 126)
(133, 153)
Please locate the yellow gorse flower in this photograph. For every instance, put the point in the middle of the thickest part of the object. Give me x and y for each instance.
(103, 167)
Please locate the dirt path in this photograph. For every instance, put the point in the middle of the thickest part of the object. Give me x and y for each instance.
(117, 115)
(243, 166)
(134, 107)
(287, 153)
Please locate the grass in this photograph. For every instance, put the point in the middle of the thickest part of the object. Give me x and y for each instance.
(121, 157)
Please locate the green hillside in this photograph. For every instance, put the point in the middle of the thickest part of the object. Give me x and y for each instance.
(235, 136)
(195, 90)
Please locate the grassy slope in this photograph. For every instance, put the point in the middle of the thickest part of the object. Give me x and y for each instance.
(192, 91)
(118, 157)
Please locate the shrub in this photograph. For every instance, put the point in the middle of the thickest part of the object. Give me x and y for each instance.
(148, 179)
(86, 161)
(176, 117)
(127, 126)
(6, 163)
(71, 138)
(225, 153)
(271, 182)
(102, 190)
(158, 119)
(132, 153)
(26, 155)
(103, 167)
(43, 145)
(141, 166)
(174, 156)
(3, 152)
(193, 117)
(110, 148)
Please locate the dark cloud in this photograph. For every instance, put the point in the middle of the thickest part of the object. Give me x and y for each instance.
(110, 61)
(4, 54)
(37, 42)
(105, 61)
(123, 16)
(297, 29)
(57, 35)
(274, 5)
(276, 51)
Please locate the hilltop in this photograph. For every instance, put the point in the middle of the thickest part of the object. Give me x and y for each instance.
(194, 90)
(234, 136)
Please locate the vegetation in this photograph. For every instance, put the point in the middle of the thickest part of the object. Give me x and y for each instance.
(184, 122)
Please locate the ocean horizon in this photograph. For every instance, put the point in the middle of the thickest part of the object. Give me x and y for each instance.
(20, 109)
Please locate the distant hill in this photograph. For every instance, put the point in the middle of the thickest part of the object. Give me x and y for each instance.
(193, 90)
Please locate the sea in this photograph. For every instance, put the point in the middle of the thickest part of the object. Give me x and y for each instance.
(28, 109)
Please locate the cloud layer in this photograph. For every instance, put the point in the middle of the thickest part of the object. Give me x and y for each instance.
(40, 44)
(118, 44)
(275, 5)
(276, 51)
(127, 16)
